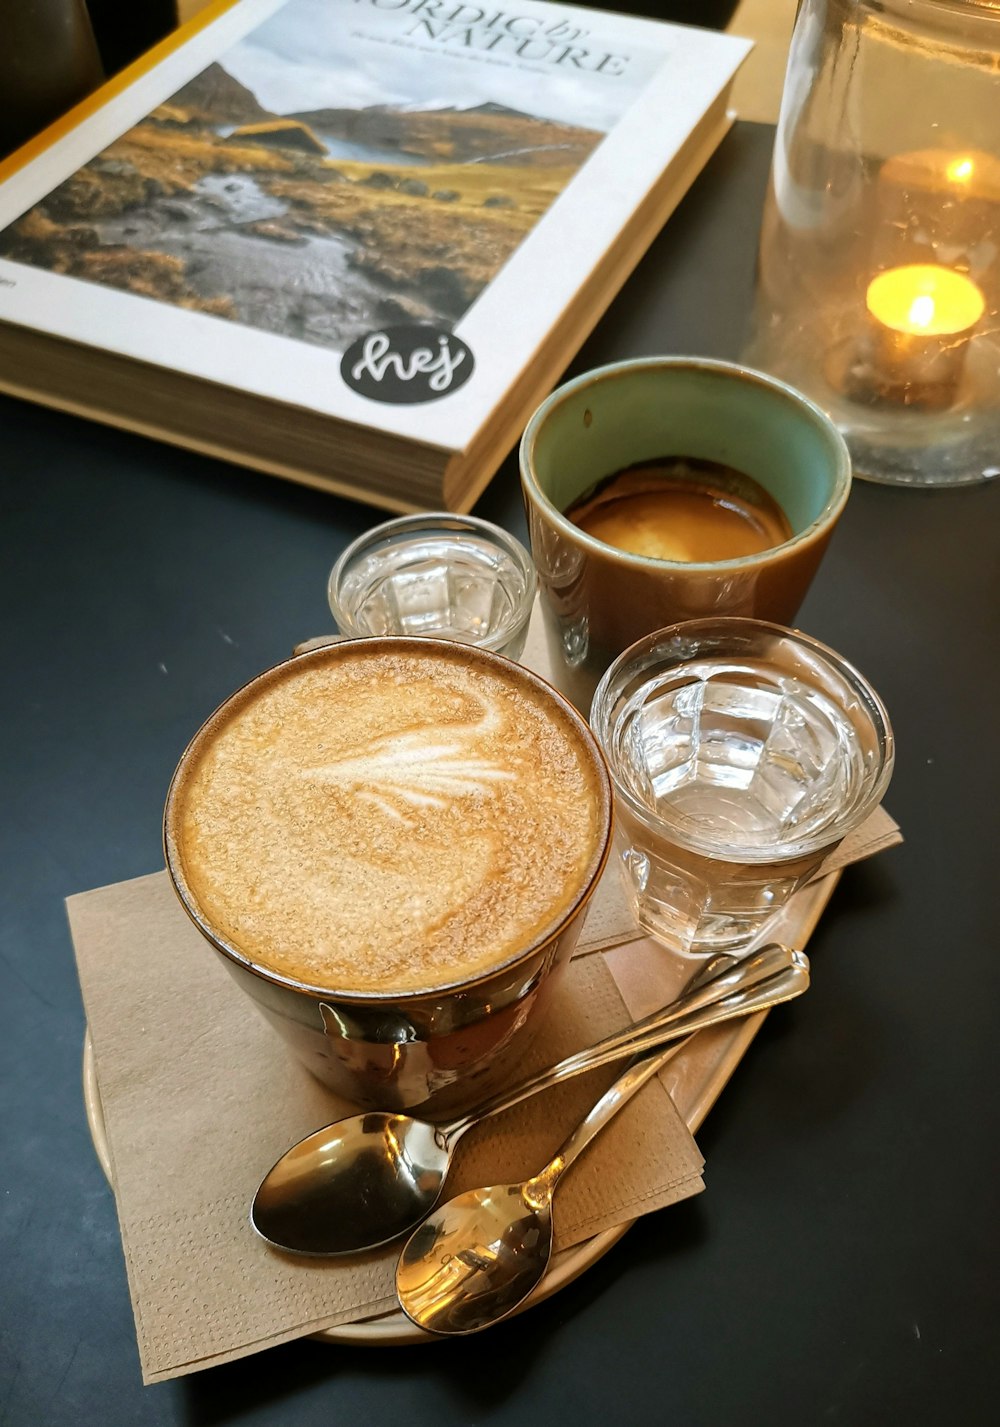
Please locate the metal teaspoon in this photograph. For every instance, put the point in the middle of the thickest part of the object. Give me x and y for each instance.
(367, 1179)
(478, 1257)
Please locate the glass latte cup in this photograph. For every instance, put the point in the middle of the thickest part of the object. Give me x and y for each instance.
(741, 754)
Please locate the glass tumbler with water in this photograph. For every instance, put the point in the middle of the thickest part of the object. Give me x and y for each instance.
(439, 576)
(741, 753)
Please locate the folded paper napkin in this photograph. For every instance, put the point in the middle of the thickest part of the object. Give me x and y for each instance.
(200, 1097)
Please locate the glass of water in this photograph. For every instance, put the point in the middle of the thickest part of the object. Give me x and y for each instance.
(741, 753)
(439, 576)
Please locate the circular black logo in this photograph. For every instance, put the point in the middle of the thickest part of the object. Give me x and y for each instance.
(407, 364)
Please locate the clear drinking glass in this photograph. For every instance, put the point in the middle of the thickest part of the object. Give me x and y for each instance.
(879, 271)
(440, 576)
(741, 753)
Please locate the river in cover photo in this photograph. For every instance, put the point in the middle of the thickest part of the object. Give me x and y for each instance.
(254, 195)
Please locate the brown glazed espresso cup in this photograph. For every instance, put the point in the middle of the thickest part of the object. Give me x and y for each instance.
(392, 843)
(598, 599)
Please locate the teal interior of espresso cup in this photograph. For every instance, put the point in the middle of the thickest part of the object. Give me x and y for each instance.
(636, 411)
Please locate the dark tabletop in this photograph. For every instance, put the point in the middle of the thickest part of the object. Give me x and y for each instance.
(842, 1266)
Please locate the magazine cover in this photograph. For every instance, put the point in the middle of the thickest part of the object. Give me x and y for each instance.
(341, 203)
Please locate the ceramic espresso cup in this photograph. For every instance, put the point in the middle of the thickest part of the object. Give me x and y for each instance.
(598, 599)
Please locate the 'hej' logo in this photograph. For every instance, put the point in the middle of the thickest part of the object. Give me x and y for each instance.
(407, 364)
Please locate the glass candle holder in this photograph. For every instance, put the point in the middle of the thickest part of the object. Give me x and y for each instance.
(439, 576)
(878, 287)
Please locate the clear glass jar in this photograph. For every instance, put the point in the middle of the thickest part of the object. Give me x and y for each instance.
(879, 269)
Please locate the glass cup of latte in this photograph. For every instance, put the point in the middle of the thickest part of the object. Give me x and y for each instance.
(392, 843)
(741, 753)
(438, 575)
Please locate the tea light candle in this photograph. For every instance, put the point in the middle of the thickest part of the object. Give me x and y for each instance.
(921, 319)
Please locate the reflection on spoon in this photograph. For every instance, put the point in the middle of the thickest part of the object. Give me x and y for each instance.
(370, 1178)
(478, 1257)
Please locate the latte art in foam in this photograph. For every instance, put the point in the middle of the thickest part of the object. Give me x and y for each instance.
(376, 818)
(418, 770)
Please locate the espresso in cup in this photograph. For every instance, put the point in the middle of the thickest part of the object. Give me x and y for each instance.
(395, 838)
(682, 508)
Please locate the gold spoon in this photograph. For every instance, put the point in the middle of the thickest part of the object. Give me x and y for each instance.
(478, 1257)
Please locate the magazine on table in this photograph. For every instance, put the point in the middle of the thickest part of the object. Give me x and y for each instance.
(350, 242)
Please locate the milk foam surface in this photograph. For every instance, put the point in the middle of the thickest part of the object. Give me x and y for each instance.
(379, 821)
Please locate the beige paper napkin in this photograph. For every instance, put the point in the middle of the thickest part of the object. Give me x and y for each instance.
(200, 1097)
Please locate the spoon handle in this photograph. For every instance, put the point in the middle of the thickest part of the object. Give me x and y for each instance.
(616, 1097)
(720, 997)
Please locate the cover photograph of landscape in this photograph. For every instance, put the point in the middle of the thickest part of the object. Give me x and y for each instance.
(321, 179)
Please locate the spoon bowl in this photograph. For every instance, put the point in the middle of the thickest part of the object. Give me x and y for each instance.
(367, 1179)
(356, 1184)
(476, 1259)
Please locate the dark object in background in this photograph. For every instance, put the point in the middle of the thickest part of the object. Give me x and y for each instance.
(49, 60)
(709, 14)
(126, 28)
(55, 52)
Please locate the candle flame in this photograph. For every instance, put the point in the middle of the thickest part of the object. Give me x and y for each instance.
(921, 313)
(959, 170)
